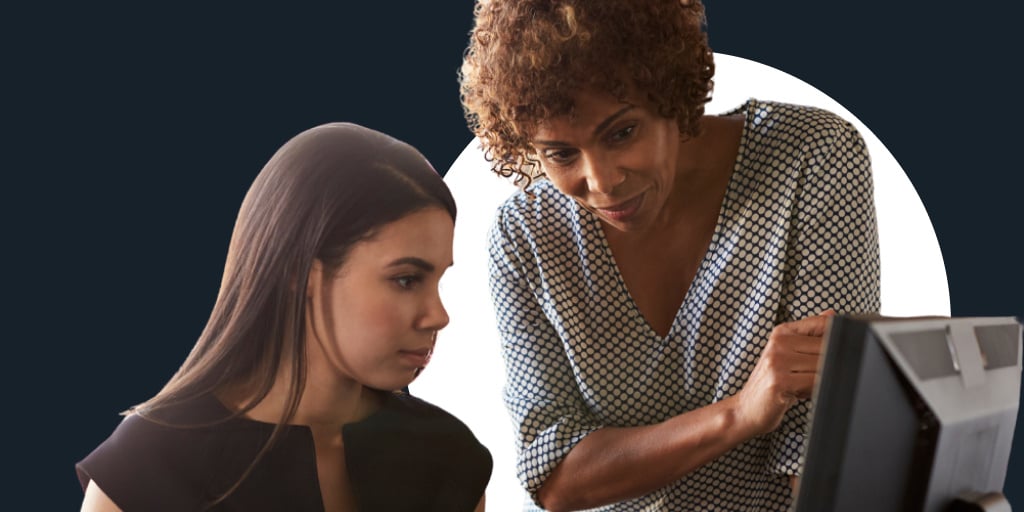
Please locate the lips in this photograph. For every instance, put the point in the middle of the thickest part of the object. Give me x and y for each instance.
(622, 211)
(417, 358)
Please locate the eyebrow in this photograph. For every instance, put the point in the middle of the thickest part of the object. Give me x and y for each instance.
(598, 129)
(421, 263)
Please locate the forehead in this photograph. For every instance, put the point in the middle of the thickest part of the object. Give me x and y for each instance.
(589, 109)
(426, 234)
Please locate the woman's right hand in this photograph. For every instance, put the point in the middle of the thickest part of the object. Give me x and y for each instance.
(785, 373)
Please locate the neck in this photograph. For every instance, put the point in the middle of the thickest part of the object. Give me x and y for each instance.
(324, 402)
(703, 169)
(331, 401)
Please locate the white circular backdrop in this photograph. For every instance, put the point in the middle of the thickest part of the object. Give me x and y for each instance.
(466, 374)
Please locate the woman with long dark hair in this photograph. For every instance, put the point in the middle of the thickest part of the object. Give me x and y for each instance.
(328, 306)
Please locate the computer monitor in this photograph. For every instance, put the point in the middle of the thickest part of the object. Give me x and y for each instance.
(912, 414)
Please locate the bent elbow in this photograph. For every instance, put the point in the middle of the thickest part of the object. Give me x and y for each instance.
(552, 500)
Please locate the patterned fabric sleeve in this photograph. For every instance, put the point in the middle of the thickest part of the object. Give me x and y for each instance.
(541, 392)
(832, 260)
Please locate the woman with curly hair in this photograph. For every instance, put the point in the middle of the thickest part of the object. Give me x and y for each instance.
(291, 398)
(663, 281)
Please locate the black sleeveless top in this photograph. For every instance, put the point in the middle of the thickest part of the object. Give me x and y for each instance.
(408, 455)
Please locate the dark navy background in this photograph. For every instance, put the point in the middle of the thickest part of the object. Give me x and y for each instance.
(132, 134)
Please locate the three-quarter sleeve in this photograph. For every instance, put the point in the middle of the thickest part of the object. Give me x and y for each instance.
(541, 392)
(832, 259)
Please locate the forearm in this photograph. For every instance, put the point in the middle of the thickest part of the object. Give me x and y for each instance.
(618, 463)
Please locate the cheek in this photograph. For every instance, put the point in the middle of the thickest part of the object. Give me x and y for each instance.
(666, 147)
(655, 153)
(370, 317)
(565, 183)
(368, 345)
(570, 181)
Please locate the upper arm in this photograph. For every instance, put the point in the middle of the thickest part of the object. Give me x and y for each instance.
(537, 366)
(833, 258)
(541, 392)
(96, 500)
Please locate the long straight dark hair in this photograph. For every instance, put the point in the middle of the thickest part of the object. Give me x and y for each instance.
(325, 190)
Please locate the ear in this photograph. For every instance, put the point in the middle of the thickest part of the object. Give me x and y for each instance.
(316, 279)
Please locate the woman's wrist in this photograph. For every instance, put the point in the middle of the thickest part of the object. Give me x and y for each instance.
(736, 420)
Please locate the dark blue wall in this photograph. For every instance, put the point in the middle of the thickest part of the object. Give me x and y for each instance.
(131, 135)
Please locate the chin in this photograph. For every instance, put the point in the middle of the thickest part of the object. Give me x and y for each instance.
(637, 222)
(394, 382)
(633, 225)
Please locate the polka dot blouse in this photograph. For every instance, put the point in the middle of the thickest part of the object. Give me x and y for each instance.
(796, 234)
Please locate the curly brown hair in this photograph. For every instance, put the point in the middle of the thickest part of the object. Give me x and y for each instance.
(527, 58)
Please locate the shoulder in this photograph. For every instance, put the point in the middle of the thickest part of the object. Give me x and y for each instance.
(535, 221)
(162, 428)
(799, 124)
(428, 418)
(537, 207)
(137, 436)
(420, 448)
(821, 138)
(405, 420)
(766, 116)
(148, 455)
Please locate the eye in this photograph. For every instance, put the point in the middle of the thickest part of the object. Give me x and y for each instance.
(407, 282)
(559, 156)
(622, 134)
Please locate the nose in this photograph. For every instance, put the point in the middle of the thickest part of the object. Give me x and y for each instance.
(601, 174)
(435, 316)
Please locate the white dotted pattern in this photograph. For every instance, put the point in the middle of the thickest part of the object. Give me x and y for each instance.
(796, 234)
